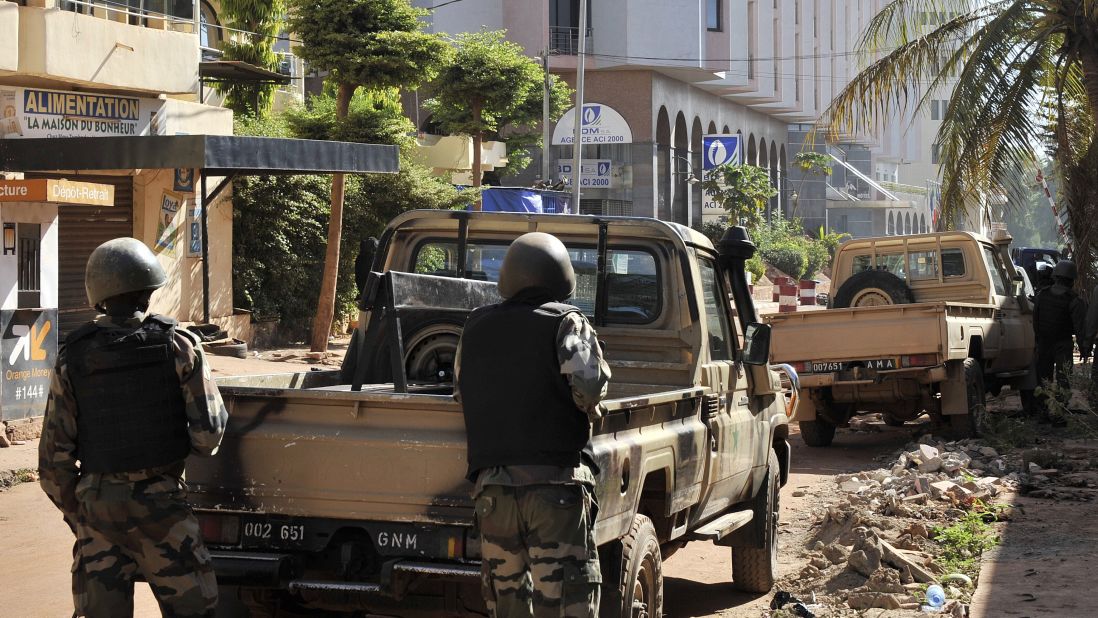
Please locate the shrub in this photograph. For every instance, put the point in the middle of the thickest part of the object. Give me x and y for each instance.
(817, 257)
(788, 256)
(756, 267)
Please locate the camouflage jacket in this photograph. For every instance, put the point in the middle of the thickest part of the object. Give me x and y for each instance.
(57, 461)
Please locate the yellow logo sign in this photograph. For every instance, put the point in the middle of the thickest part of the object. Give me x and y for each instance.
(30, 342)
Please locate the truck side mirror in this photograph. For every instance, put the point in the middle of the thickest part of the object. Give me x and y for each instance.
(756, 344)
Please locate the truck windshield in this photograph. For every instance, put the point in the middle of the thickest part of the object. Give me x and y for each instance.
(632, 279)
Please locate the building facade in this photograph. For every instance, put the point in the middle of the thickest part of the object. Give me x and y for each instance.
(73, 68)
(676, 70)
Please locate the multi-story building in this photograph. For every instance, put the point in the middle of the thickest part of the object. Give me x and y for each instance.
(72, 68)
(668, 72)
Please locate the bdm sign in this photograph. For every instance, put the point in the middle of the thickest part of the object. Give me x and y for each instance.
(34, 112)
(601, 124)
(718, 150)
(29, 350)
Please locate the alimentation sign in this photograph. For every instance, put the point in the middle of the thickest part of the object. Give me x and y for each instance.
(35, 112)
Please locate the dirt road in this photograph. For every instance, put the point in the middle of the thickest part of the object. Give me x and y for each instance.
(697, 578)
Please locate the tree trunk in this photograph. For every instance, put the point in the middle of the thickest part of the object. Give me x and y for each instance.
(478, 139)
(325, 306)
(1082, 204)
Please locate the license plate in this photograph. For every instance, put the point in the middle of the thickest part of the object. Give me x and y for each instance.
(876, 364)
(267, 533)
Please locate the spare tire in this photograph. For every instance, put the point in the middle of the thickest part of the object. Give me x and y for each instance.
(873, 287)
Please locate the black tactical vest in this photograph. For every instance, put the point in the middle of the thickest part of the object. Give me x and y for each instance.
(518, 406)
(130, 408)
(1054, 319)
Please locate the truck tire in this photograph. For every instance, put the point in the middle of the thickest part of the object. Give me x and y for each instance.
(818, 432)
(754, 568)
(871, 288)
(642, 571)
(892, 421)
(971, 425)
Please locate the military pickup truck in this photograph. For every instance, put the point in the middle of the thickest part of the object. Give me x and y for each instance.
(921, 323)
(345, 490)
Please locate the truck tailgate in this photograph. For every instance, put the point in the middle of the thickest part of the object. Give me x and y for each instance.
(858, 334)
(331, 453)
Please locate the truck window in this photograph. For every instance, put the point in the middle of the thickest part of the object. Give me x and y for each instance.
(632, 282)
(922, 265)
(891, 262)
(953, 263)
(995, 269)
(716, 313)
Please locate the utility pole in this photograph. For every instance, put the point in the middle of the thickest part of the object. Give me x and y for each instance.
(546, 137)
(577, 141)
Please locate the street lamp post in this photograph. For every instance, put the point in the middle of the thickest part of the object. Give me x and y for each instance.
(577, 133)
(546, 137)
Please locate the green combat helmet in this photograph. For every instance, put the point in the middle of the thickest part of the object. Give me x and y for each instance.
(537, 260)
(120, 266)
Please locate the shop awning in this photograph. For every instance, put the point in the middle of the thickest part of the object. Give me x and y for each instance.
(216, 155)
(236, 70)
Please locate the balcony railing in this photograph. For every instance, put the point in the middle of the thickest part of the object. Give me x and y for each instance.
(565, 40)
(164, 14)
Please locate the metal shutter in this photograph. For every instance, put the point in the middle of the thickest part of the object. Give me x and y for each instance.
(82, 229)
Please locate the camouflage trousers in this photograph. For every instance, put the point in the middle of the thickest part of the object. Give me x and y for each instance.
(538, 553)
(121, 535)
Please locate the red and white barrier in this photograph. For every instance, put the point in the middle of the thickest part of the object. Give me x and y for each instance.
(787, 300)
(808, 292)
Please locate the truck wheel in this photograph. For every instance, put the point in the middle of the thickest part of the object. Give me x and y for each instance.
(1029, 401)
(818, 432)
(891, 420)
(642, 571)
(754, 568)
(871, 288)
(971, 425)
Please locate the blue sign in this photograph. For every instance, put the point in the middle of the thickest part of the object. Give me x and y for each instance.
(721, 149)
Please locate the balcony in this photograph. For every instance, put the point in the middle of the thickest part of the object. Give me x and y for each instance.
(107, 45)
(564, 40)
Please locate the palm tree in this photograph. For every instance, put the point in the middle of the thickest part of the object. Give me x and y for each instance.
(1006, 61)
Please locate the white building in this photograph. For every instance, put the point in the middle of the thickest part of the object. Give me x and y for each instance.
(676, 70)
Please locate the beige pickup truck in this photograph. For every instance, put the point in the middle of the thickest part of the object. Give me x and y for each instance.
(922, 323)
(345, 490)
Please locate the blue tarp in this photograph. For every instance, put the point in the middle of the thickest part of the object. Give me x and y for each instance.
(508, 199)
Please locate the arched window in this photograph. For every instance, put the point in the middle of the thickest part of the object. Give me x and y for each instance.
(891, 229)
(209, 33)
(907, 223)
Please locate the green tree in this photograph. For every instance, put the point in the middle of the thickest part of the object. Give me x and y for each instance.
(280, 222)
(1008, 58)
(742, 190)
(493, 88)
(811, 163)
(261, 20)
(375, 44)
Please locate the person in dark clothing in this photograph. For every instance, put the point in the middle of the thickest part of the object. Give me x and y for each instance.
(1088, 346)
(529, 375)
(1058, 315)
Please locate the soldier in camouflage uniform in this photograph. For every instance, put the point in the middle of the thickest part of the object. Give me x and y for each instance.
(529, 373)
(130, 398)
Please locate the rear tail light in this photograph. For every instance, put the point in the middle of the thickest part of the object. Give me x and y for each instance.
(802, 367)
(919, 360)
(219, 529)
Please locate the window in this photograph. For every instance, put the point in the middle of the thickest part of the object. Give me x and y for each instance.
(953, 263)
(890, 262)
(713, 15)
(716, 312)
(935, 153)
(922, 265)
(632, 283)
(938, 109)
(995, 269)
(29, 249)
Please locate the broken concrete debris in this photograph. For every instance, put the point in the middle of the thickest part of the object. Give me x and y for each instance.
(873, 546)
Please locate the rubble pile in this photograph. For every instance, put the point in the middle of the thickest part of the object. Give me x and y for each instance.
(871, 547)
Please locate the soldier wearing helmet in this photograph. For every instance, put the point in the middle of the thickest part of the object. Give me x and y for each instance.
(131, 397)
(1058, 315)
(529, 374)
